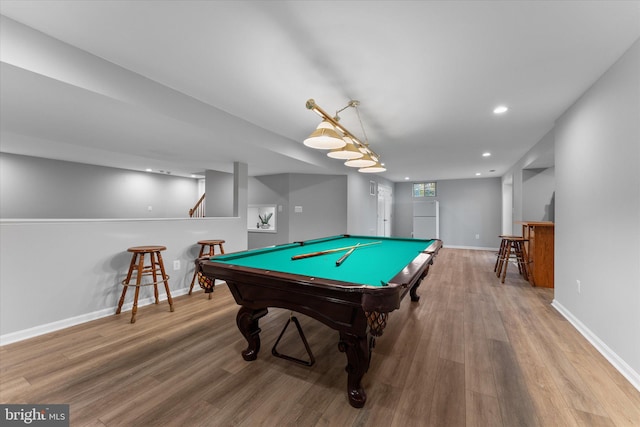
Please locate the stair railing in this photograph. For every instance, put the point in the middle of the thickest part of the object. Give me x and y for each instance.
(198, 209)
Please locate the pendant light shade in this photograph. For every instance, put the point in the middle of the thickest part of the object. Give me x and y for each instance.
(348, 152)
(373, 169)
(325, 137)
(363, 162)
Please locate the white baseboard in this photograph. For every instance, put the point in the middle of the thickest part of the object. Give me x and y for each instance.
(621, 366)
(72, 321)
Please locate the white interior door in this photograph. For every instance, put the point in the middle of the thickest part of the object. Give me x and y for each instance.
(385, 203)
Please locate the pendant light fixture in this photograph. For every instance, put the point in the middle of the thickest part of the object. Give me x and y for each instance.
(331, 135)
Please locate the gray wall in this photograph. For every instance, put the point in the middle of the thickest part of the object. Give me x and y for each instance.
(362, 206)
(323, 199)
(32, 187)
(538, 189)
(403, 209)
(271, 190)
(598, 214)
(218, 194)
(467, 207)
(532, 202)
(78, 277)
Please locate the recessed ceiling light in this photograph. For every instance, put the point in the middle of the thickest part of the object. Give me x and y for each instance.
(478, 174)
(148, 170)
(406, 178)
(500, 109)
(487, 154)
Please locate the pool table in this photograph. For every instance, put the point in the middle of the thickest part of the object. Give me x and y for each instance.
(353, 298)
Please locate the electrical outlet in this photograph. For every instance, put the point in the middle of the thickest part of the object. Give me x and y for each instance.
(579, 286)
(477, 237)
(176, 264)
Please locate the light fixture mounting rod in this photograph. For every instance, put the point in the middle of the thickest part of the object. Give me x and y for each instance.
(352, 104)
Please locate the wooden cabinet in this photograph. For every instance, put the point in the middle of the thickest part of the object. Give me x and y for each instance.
(539, 252)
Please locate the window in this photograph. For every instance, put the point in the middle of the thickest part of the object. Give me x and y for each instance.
(424, 189)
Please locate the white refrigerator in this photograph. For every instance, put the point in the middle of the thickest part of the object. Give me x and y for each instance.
(426, 219)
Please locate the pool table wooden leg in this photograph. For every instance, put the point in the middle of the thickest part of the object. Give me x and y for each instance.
(358, 352)
(412, 292)
(247, 321)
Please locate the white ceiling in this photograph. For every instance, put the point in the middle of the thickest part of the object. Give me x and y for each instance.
(427, 74)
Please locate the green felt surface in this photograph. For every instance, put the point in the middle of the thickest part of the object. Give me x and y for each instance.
(370, 265)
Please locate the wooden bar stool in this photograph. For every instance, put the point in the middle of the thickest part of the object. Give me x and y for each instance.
(206, 246)
(155, 268)
(500, 256)
(513, 248)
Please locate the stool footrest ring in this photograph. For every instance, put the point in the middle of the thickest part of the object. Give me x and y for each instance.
(165, 280)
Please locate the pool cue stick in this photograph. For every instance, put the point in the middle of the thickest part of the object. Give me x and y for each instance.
(329, 251)
(345, 256)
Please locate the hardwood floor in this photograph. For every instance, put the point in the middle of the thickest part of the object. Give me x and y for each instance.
(472, 352)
